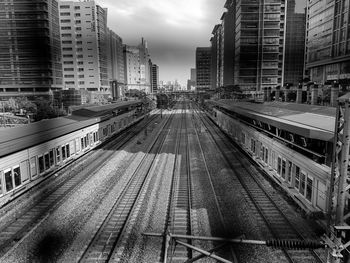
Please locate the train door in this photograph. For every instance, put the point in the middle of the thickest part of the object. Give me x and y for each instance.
(33, 167)
(24, 168)
(321, 196)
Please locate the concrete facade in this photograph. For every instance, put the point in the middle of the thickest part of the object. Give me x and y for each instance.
(30, 50)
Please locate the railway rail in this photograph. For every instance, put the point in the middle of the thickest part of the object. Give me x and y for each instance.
(275, 219)
(104, 244)
(179, 214)
(60, 189)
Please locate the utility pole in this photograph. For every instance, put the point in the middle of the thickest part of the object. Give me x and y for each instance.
(338, 210)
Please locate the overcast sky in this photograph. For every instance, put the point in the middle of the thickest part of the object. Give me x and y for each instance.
(172, 29)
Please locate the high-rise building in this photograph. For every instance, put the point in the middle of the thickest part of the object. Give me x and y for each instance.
(115, 64)
(216, 57)
(328, 42)
(203, 62)
(137, 67)
(259, 31)
(227, 43)
(84, 45)
(193, 75)
(155, 77)
(294, 51)
(30, 52)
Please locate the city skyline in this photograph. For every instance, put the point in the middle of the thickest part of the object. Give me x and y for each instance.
(172, 30)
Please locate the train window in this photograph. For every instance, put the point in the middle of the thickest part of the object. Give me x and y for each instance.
(58, 155)
(82, 143)
(91, 141)
(97, 136)
(279, 165)
(85, 141)
(289, 172)
(266, 155)
(32, 165)
(94, 137)
(41, 164)
(309, 188)
(297, 177)
(302, 182)
(63, 148)
(52, 160)
(47, 161)
(8, 180)
(284, 169)
(67, 151)
(17, 176)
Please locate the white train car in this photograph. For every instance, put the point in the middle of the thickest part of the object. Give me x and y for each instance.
(304, 179)
(29, 153)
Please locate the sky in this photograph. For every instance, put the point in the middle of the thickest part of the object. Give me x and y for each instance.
(172, 29)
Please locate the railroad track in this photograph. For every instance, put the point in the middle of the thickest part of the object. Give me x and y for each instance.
(106, 244)
(275, 219)
(179, 215)
(13, 232)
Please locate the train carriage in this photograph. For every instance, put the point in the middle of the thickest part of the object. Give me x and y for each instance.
(29, 153)
(305, 178)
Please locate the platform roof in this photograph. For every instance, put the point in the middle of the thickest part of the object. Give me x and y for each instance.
(102, 110)
(22, 137)
(310, 121)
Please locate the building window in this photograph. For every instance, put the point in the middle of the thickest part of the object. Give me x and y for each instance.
(79, 42)
(67, 55)
(77, 15)
(66, 28)
(77, 7)
(65, 20)
(81, 82)
(68, 62)
(66, 35)
(64, 6)
(69, 76)
(77, 22)
(65, 14)
(67, 42)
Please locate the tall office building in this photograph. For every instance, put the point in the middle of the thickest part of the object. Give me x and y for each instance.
(137, 67)
(227, 44)
(84, 45)
(328, 42)
(30, 53)
(294, 50)
(155, 78)
(216, 57)
(203, 62)
(259, 31)
(115, 63)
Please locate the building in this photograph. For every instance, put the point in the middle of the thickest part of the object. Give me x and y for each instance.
(137, 67)
(327, 44)
(193, 75)
(84, 46)
(191, 83)
(155, 78)
(227, 44)
(294, 46)
(30, 54)
(115, 59)
(203, 62)
(216, 57)
(260, 30)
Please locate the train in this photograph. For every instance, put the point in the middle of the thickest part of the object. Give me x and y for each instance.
(306, 180)
(31, 152)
